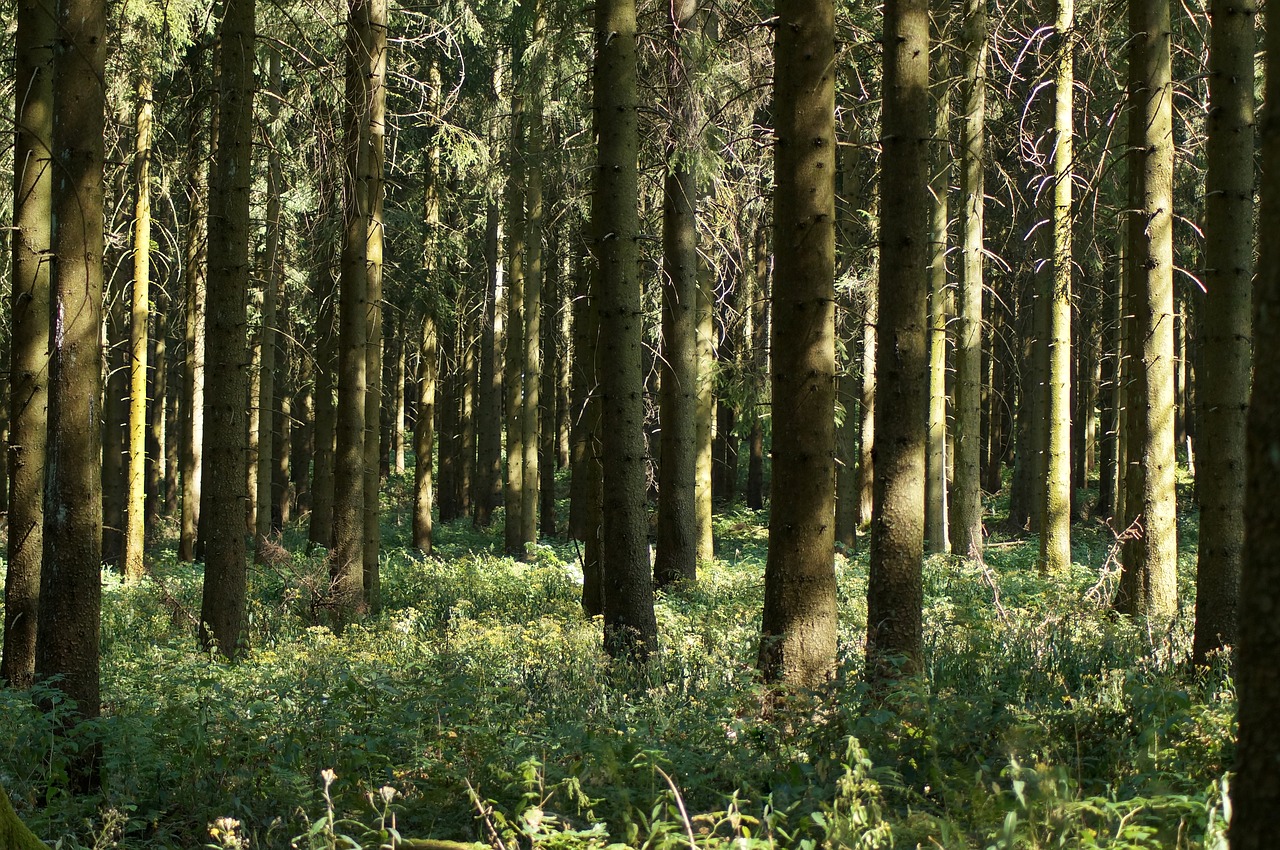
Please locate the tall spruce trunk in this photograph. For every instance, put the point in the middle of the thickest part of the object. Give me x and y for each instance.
(676, 557)
(29, 335)
(1148, 580)
(195, 273)
(759, 367)
(1256, 790)
(966, 504)
(531, 355)
(375, 41)
(798, 632)
(1225, 349)
(139, 310)
(1055, 527)
(894, 590)
(223, 605)
(347, 568)
(940, 298)
(68, 623)
(513, 358)
(424, 433)
(630, 626)
(272, 283)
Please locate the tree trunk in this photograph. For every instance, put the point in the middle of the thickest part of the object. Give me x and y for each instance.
(1226, 321)
(798, 632)
(272, 271)
(424, 434)
(894, 633)
(29, 340)
(676, 556)
(704, 307)
(1148, 581)
(320, 529)
(68, 624)
(1055, 527)
(1256, 795)
(140, 306)
(347, 568)
(966, 505)
(940, 300)
(160, 395)
(630, 627)
(513, 362)
(489, 394)
(195, 273)
(759, 367)
(375, 39)
(529, 419)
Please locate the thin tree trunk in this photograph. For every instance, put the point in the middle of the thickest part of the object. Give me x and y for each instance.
(940, 298)
(272, 282)
(966, 506)
(140, 306)
(424, 434)
(759, 368)
(1055, 527)
(529, 419)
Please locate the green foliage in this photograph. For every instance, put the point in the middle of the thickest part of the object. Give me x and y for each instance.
(479, 708)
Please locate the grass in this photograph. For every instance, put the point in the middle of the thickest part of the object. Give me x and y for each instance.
(479, 707)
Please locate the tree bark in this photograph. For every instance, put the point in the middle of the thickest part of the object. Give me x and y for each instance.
(676, 557)
(1256, 795)
(1055, 527)
(630, 627)
(68, 624)
(1226, 325)
(223, 605)
(798, 632)
(140, 307)
(966, 505)
(894, 591)
(1148, 581)
(29, 342)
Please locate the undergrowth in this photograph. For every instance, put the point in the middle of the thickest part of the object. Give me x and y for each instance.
(479, 707)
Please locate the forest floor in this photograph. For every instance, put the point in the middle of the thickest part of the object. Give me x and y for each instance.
(479, 707)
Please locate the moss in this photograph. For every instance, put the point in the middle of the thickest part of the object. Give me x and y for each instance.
(14, 834)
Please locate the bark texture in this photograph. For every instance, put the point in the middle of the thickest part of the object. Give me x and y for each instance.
(798, 632)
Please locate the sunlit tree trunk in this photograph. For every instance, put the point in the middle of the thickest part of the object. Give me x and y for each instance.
(966, 504)
(68, 624)
(347, 567)
(513, 359)
(1224, 390)
(940, 304)
(894, 633)
(759, 366)
(272, 281)
(798, 632)
(704, 308)
(375, 39)
(676, 558)
(139, 310)
(630, 627)
(532, 354)
(29, 297)
(1055, 527)
(1148, 581)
